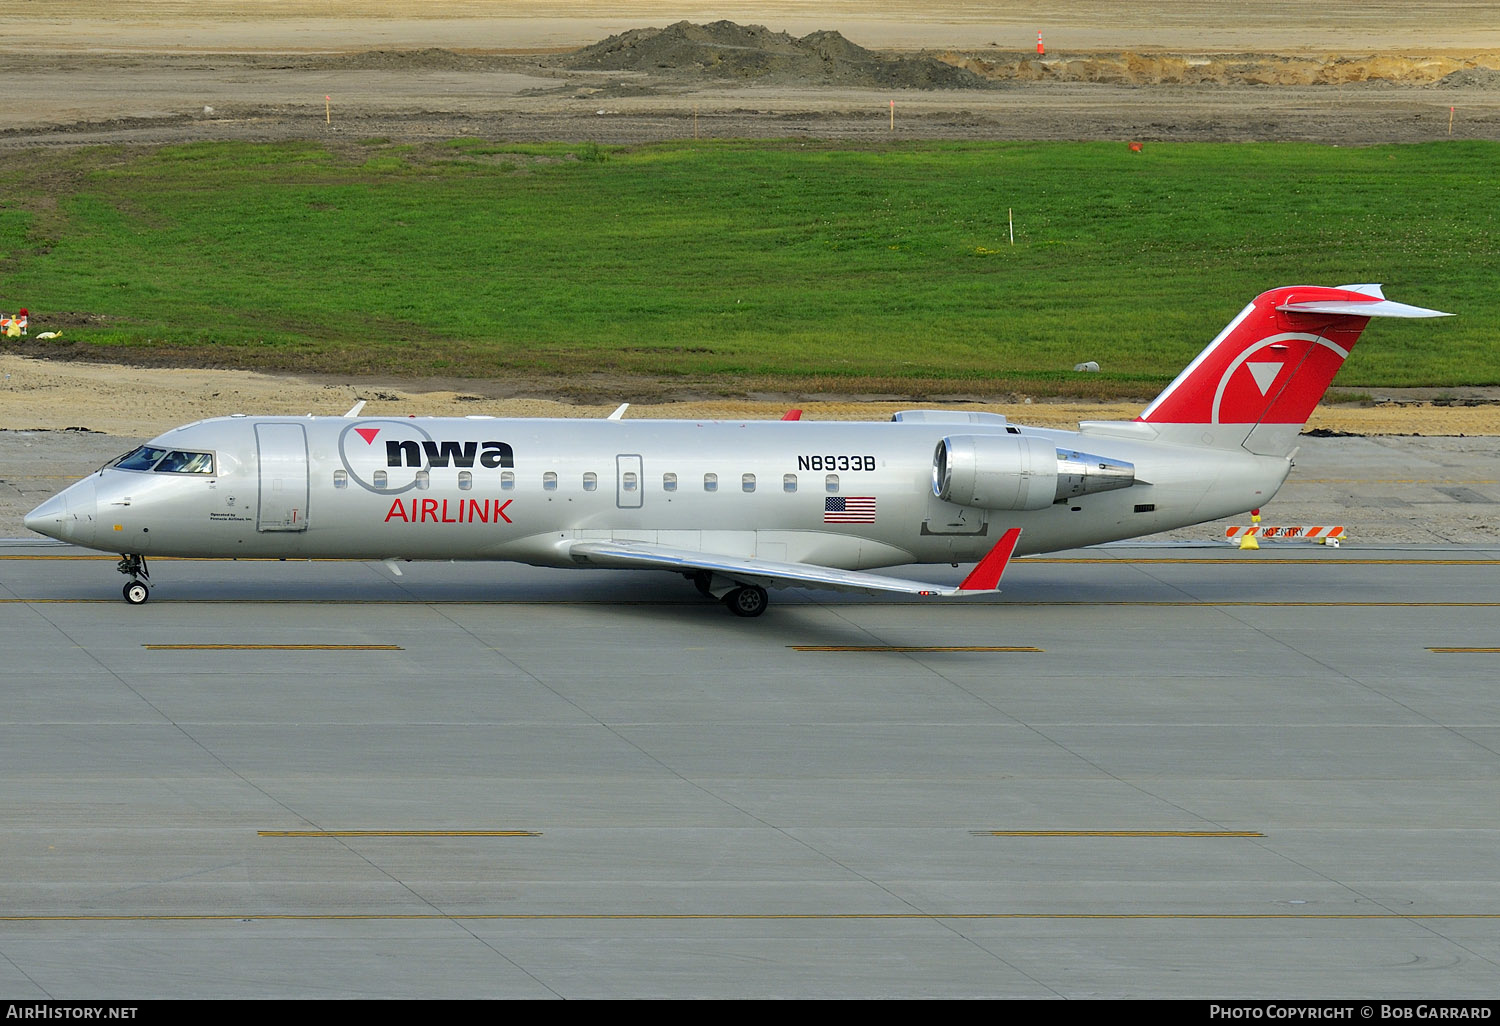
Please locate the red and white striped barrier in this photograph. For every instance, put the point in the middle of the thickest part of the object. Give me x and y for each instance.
(1307, 533)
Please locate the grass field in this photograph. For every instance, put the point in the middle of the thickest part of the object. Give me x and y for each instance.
(791, 265)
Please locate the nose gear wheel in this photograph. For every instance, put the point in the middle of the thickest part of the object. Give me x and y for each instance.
(134, 566)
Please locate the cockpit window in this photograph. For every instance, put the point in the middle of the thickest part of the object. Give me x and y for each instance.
(177, 462)
(143, 458)
(164, 461)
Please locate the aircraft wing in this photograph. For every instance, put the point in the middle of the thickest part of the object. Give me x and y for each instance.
(766, 572)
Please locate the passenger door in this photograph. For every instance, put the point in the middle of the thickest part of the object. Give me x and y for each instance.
(283, 477)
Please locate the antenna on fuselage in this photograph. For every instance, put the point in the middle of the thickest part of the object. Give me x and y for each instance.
(354, 410)
(619, 412)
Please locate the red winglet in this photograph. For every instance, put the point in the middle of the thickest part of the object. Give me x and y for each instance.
(986, 576)
(792, 415)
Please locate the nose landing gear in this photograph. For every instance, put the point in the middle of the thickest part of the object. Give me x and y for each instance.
(134, 567)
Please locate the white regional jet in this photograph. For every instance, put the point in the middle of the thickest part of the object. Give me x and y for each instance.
(735, 507)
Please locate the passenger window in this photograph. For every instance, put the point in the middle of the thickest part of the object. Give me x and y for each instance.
(465, 480)
(424, 480)
(590, 481)
(549, 481)
(747, 482)
(710, 482)
(669, 482)
(507, 480)
(341, 479)
(789, 482)
(628, 481)
(831, 482)
(380, 479)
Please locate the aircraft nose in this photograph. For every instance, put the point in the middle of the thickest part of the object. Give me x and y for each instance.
(48, 517)
(67, 516)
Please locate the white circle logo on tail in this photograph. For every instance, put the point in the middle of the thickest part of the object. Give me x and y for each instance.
(1249, 408)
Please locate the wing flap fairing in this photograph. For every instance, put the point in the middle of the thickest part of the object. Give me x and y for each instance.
(773, 573)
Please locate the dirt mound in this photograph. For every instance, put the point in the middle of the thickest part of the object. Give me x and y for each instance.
(1471, 78)
(724, 51)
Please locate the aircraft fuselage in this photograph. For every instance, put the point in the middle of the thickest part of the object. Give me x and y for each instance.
(848, 495)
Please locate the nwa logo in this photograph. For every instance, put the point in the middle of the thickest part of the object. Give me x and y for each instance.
(386, 455)
(447, 454)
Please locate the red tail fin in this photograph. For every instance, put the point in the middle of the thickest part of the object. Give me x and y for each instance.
(1272, 364)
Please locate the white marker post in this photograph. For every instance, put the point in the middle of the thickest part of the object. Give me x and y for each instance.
(1011, 212)
(328, 108)
(893, 115)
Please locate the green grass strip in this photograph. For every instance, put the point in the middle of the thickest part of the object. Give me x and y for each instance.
(823, 266)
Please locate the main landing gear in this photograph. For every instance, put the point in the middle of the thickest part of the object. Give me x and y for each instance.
(739, 599)
(749, 600)
(134, 567)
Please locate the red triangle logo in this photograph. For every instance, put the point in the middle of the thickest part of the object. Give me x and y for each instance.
(368, 434)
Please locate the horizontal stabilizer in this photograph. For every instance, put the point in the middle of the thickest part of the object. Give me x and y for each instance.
(1361, 308)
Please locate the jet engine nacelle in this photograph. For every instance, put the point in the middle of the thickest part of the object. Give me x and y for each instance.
(1019, 472)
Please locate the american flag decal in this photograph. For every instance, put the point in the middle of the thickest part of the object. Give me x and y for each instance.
(849, 509)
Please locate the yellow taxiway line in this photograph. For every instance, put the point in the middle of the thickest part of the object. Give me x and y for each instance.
(1117, 833)
(275, 648)
(914, 648)
(397, 833)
